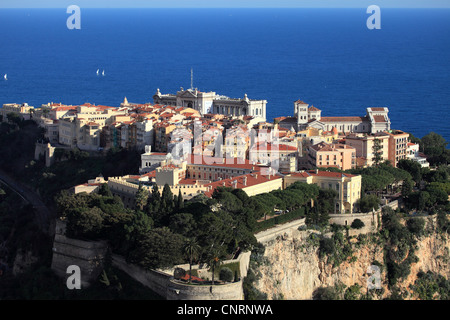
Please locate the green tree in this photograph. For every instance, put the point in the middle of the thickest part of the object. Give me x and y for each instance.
(434, 146)
(104, 190)
(84, 223)
(139, 226)
(180, 201)
(353, 292)
(192, 250)
(357, 224)
(183, 223)
(214, 260)
(141, 198)
(377, 151)
(407, 188)
(158, 248)
(368, 203)
(416, 226)
(413, 167)
(226, 274)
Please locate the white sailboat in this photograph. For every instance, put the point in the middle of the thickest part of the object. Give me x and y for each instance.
(5, 77)
(97, 71)
(103, 72)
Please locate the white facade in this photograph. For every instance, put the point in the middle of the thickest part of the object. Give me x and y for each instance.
(210, 102)
(412, 153)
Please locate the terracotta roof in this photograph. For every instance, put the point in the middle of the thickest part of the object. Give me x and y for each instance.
(187, 181)
(289, 119)
(312, 108)
(379, 118)
(64, 108)
(222, 162)
(275, 147)
(377, 109)
(322, 146)
(342, 119)
(150, 174)
(241, 182)
(320, 173)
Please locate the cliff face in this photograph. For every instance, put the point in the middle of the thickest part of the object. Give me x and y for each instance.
(294, 270)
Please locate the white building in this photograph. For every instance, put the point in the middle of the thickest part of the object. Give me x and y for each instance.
(375, 120)
(210, 102)
(151, 160)
(412, 153)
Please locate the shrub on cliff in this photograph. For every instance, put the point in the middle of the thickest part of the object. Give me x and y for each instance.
(416, 226)
(326, 247)
(357, 224)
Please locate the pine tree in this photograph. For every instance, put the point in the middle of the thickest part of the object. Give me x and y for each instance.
(180, 201)
(377, 152)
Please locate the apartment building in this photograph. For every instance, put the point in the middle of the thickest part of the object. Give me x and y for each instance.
(364, 146)
(348, 186)
(398, 145)
(324, 155)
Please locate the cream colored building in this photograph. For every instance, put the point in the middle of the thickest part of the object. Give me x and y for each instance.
(348, 186)
(324, 155)
(84, 130)
(364, 143)
(23, 110)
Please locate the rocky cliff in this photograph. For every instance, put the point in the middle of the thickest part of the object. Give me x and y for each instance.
(292, 267)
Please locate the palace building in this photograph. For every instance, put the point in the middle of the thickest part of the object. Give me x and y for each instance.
(210, 102)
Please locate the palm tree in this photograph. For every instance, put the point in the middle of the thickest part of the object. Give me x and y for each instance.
(214, 261)
(191, 249)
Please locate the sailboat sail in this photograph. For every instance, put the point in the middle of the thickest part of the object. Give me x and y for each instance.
(5, 76)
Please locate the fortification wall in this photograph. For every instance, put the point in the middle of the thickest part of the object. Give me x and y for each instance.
(270, 234)
(88, 255)
(370, 221)
(168, 288)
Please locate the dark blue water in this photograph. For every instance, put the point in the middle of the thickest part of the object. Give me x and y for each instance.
(326, 57)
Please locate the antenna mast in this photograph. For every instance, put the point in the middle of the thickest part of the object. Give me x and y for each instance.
(192, 79)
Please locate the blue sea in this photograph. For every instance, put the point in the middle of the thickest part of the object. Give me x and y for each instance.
(325, 57)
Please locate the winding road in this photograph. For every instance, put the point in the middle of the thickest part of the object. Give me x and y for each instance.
(43, 215)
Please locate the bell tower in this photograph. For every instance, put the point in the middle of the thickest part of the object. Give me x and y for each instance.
(301, 112)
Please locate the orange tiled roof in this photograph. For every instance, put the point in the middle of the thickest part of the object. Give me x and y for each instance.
(379, 118)
(241, 182)
(342, 119)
